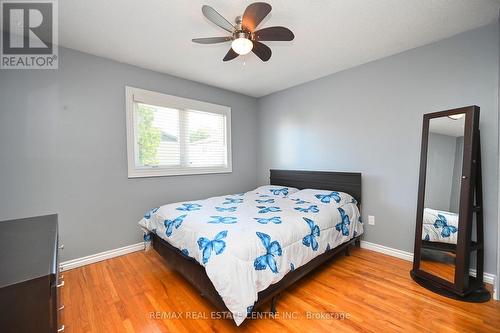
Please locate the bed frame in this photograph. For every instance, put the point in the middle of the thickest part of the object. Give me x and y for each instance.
(193, 272)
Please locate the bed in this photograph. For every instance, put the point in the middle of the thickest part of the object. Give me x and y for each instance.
(241, 250)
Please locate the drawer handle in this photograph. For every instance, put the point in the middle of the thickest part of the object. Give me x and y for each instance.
(61, 329)
(60, 284)
(61, 308)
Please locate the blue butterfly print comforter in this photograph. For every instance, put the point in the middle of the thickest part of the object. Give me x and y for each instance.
(440, 226)
(246, 242)
(263, 220)
(224, 209)
(174, 223)
(279, 191)
(188, 207)
(343, 225)
(310, 209)
(264, 209)
(223, 219)
(207, 246)
(310, 240)
(327, 198)
(267, 260)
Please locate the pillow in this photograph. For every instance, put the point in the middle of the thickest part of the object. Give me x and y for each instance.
(275, 190)
(324, 197)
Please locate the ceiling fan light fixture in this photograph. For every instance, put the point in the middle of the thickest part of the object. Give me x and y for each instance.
(242, 45)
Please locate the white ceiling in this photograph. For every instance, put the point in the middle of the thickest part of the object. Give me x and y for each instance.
(330, 35)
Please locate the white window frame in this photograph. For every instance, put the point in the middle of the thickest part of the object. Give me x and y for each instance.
(133, 95)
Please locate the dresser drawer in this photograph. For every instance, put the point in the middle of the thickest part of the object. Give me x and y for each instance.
(26, 307)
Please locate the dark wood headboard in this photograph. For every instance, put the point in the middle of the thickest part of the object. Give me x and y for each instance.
(348, 182)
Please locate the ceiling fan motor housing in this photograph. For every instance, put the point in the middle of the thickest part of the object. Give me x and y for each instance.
(241, 34)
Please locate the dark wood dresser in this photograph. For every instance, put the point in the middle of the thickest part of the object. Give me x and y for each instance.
(29, 276)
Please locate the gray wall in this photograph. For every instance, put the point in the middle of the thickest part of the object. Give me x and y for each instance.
(439, 175)
(63, 148)
(369, 119)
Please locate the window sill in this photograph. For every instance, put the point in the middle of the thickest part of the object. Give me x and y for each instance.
(162, 172)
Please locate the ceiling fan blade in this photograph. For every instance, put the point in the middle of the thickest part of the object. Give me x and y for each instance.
(230, 55)
(217, 18)
(274, 33)
(212, 40)
(261, 50)
(254, 14)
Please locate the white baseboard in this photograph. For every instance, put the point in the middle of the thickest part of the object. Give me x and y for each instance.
(408, 256)
(70, 264)
(487, 277)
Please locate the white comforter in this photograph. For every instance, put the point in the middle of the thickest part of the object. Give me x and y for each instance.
(249, 241)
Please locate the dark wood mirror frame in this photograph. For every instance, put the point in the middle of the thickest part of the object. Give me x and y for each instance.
(465, 287)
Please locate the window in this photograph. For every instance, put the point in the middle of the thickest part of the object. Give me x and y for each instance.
(169, 135)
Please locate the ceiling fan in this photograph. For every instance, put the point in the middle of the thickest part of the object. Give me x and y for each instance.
(244, 38)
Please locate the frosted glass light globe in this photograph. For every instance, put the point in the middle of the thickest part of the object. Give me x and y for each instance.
(242, 45)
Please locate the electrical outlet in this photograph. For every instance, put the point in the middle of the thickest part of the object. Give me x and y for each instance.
(371, 220)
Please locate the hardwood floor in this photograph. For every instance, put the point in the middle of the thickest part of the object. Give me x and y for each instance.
(367, 291)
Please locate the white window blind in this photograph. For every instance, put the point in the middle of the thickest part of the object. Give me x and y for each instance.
(169, 135)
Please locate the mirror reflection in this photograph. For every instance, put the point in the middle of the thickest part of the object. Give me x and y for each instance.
(442, 195)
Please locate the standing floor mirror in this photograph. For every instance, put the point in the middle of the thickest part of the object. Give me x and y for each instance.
(449, 226)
